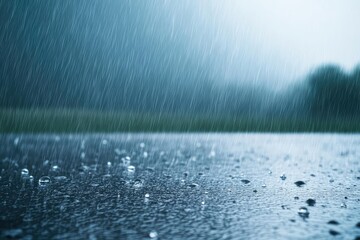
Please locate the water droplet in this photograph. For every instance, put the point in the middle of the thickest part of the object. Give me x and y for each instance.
(131, 169)
(264, 185)
(108, 164)
(82, 144)
(245, 181)
(212, 154)
(311, 202)
(82, 156)
(153, 234)
(343, 205)
(104, 142)
(142, 145)
(24, 172)
(55, 168)
(147, 195)
(44, 181)
(333, 222)
(299, 183)
(303, 212)
(31, 178)
(202, 203)
(16, 141)
(46, 162)
(138, 183)
(283, 177)
(145, 154)
(333, 232)
(193, 185)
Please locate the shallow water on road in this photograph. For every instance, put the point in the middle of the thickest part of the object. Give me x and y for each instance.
(180, 186)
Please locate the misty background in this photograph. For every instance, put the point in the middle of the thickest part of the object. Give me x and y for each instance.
(232, 58)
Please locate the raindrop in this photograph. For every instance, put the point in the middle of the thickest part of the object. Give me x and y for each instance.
(145, 154)
(142, 145)
(82, 156)
(283, 177)
(108, 164)
(44, 181)
(138, 183)
(147, 195)
(153, 234)
(343, 205)
(31, 178)
(333, 222)
(311, 202)
(303, 212)
(193, 185)
(131, 169)
(24, 173)
(333, 232)
(104, 142)
(55, 168)
(16, 141)
(299, 183)
(264, 185)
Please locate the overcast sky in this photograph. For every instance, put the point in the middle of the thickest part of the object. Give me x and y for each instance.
(268, 42)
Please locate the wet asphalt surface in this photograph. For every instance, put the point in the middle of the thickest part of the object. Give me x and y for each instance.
(180, 186)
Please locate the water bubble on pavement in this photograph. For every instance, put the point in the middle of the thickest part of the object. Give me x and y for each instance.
(131, 169)
(24, 172)
(55, 168)
(138, 183)
(303, 212)
(44, 181)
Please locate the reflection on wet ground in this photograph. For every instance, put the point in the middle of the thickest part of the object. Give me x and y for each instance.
(180, 186)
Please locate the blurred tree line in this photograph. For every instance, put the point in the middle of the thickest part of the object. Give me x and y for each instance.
(327, 92)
